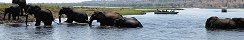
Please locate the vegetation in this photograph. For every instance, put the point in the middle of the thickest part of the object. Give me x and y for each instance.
(168, 3)
(89, 10)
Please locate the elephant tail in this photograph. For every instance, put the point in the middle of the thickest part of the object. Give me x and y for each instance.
(51, 14)
(49, 11)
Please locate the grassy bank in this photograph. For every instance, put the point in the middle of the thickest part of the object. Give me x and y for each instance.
(123, 11)
(89, 10)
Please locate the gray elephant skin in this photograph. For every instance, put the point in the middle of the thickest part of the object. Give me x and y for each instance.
(128, 23)
(106, 18)
(41, 15)
(73, 15)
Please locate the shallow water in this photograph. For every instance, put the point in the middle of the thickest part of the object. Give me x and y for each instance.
(187, 25)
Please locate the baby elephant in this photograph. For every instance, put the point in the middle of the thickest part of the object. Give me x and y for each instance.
(13, 11)
(73, 15)
(128, 23)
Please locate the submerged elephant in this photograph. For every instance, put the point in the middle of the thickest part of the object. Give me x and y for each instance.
(239, 22)
(41, 15)
(13, 12)
(73, 15)
(215, 22)
(105, 18)
(128, 23)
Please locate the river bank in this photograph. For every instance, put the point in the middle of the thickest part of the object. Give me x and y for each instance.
(89, 10)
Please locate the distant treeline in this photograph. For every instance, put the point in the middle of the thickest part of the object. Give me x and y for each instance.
(158, 3)
(169, 3)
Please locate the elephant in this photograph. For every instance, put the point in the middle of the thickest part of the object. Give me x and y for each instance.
(73, 15)
(128, 23)
(215, 22)
(19, 2)
(41, 15)
(22, 4)
(12, 11)
(106, 18)
(239, 22)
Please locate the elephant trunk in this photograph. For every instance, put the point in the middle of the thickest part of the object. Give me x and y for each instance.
(90, 21)
(4, 15)
(59, 17)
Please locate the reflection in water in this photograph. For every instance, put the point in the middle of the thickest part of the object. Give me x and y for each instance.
(77, 24)
(15, 24)
(43, 31)
(225, 34)
(187, 25)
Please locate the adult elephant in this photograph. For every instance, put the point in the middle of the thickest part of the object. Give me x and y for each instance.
(215, 22)
(73, 15)
(41, 15)
(13, 12)
(21, 3)
(128, 23)
(105, 18)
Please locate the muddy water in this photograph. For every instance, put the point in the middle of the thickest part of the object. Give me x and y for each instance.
(187, 25)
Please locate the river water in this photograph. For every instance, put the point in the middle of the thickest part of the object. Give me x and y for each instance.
(187, 25)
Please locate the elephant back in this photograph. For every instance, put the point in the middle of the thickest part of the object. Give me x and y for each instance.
(113, 15)
(131, 21)
(7, 10)
(15, 9)
(48, 13)
(19, 2)
(224, 23)
(239, 22)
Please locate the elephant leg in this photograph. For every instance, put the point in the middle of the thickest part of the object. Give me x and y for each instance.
(4, 16)
(21, 11)
(9, 16)
(18, 17)
(47, 23)
(81, 21)
(69, 20)
(14, 16)
(38, 22)
(102, 24)
(110, 23)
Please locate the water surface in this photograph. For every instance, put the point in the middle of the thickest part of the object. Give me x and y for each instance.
(187, 25)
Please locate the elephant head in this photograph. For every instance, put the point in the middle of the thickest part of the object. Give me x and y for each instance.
(210, 20)
(66, 11)
(97, 15)
(33, 9)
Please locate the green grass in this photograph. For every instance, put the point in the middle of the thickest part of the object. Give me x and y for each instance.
(89, 11)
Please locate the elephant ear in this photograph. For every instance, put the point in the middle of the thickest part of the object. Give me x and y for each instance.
(65, 10)
(37, 8)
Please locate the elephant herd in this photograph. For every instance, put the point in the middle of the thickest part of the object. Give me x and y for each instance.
(106, 18)
(228, 23)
